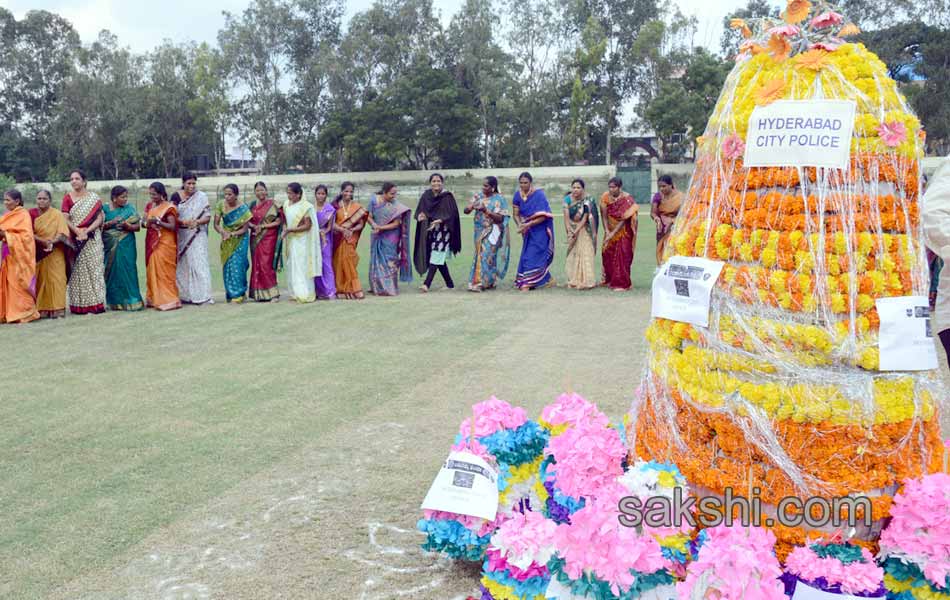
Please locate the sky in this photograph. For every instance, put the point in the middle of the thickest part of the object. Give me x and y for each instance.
(143, 25)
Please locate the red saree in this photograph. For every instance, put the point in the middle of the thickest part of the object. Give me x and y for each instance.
(618, 251)
(265, 252)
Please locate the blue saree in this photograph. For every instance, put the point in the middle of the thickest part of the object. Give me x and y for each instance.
(537, 252)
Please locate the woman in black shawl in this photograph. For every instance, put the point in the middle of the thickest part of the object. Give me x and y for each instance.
(438, 232)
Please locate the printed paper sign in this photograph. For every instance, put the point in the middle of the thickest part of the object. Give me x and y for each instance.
(466, 485)
(801, 133)
(806, 592)
(683, 287)
(906, 341)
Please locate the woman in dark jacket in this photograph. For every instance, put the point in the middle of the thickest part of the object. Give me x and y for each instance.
(438, 232)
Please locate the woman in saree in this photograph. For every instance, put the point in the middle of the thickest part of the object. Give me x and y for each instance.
(51, 232)
(536, 225)
(194, 271)
(389, 248)
(438, 232)
(231, 217)
(118, 239)
(492, 245)
(266, 251)
(161, 250)
(303, 256)
(325, 284)
(86, 288)
(17, 262)
(619, 213)
(581, 223)
(664, 208)
(348, 225)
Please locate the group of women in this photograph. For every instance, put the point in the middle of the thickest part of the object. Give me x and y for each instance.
(84, 255)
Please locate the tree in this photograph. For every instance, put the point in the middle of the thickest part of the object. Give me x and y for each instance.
(881, 14)
(683, 105)
(588, 58)
(621, 23)
(254, 49)
(314, 41)
(537, 34)
(481, 66)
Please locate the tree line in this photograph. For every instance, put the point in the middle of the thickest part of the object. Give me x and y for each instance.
(506, 83)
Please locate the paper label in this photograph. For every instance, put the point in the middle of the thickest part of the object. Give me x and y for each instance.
(465, 485)
(906, 340)
(683, 287)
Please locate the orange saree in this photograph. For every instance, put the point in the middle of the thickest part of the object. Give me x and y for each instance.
(50, 226)
(17, 268)
(161, 261)
(345, 257)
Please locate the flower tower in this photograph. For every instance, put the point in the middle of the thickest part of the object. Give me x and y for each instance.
(784, 389)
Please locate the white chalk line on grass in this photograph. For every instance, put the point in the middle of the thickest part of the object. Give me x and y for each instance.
(391, 564)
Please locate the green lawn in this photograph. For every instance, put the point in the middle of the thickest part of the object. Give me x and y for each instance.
(263, 451)
(121, 430)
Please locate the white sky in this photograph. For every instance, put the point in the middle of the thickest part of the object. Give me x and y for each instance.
(143, 25)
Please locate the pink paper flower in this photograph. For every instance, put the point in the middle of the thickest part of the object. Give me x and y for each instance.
(827, 19)
(493, 415)
(735, 563)
(596, 542)
(572, 409)
(855, 578)
(733, 147)
(785, 30)
(588, 457)
(525, 539)
(919, 531)
(892, 133)
(946, 443)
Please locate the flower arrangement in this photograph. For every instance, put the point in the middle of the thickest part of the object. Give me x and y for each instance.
(646, 480)
(516, 561)
(505, 431)
(598, 558)
(570, 409)
(460, 537)
(785, 383)
(835, 568)
(582, 461)
(734, 563)
(915, 547)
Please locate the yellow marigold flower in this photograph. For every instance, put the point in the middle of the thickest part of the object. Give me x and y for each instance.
(838, 303)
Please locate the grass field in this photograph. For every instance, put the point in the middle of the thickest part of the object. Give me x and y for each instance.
(264, 451)
(277, 451)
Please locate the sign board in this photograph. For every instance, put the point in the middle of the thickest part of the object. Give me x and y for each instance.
(683, 287)
(801, 133)
(465, 485)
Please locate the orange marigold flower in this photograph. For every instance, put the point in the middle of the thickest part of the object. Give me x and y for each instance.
(797, 11)
(773, 90)
(779, 47)
(815, 60)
